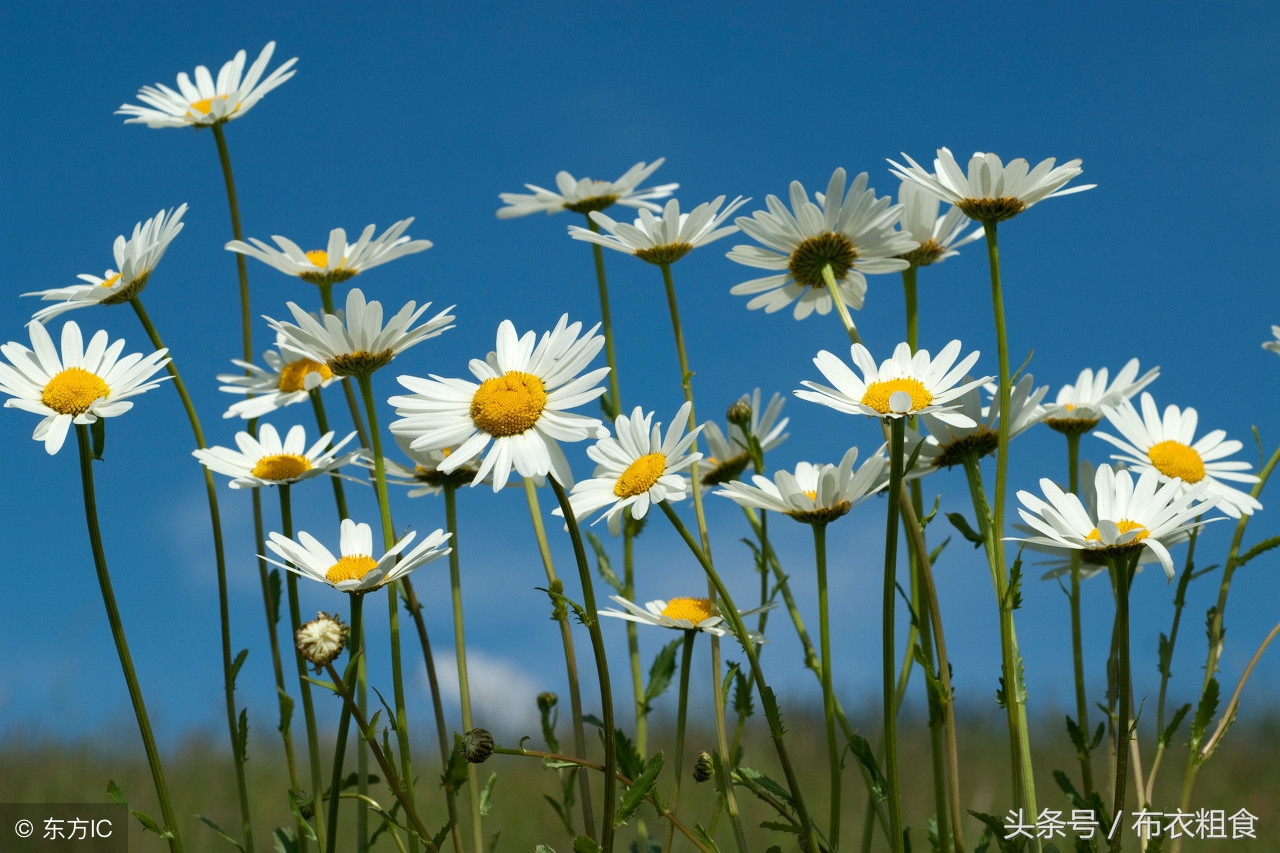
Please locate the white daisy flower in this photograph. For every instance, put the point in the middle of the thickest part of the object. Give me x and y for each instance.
(814, 494)
(1128, 517)
(729, 454)
(1274, 346)
(135, 258)
(268, 461)
(358, 342)
(667, 239)
(356, 571)
(520, 405)
(853, 233)
(79, 385)
(902, 386)
(583, 195)
(947, 444)
(992, 192)
(208, 101)
(938, 236)
(686, 614)
(288, 378)
(1168, 446)
(341, 260)
(1079, 407)
(637, 468)
(425, 476)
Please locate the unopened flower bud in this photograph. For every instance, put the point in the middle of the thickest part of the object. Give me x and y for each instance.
(739, 413)
(477, 746)
(703, 768)
(322, 639)
(547, 701)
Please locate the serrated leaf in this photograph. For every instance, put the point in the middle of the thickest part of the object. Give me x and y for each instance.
(286, 709)
(771, 712)
(242, 735)
(544, 848)
(937, 552)
(630, 764)
(273, 596)
(561, 600)
(486, 794)
(220, 833)
(1064, 783)
(1167, 735)
(755, 777)
(1204, 713)
(237, 663)
(705, 838)
(1077, 737)
(959, 522)
(660, 673)
(639, 789)
(742, 704)
(777, 826)
(1013, 593)
(439, 838)
(455, 772)
(302, 821)
(867, 758)
(1164, 654)
(1261, 548)
(584, 844)
(603, 566)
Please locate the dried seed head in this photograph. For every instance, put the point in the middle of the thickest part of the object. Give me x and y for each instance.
(322, 639)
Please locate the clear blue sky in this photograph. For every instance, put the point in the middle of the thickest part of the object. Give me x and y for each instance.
(431, 110)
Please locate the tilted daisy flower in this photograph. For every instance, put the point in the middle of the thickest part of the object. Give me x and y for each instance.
(853, 233)
(520, 405)
(1129, 516)
(1079, 408)
(341, 260)
(730, 454)
(667, 239)
(814, 494)
(135, 258)
(208, 101)
(78, 385)
(1274, 346)
(268, 461)
(583, 195)
(992, 191)
(358, 342)
(947, 444)
(288, 378)
(686, 614)
(425, 476)
(636, 468)
(938, 236)
(902, 386)
(1168, 446)
(356, 571)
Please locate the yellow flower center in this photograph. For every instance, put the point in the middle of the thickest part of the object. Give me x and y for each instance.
(694, 609)
(640, 475)
(281, 466)
(73, 391)
(1125, 525)
(205, 105)
(293, 376)
(110, 282)
(1175, 459)
(319, 257)
(811, 494)
(352, 567)
(508, 404)
(878, 394)
(814, 253)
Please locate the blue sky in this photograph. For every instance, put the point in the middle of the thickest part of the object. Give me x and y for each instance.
(431, 110)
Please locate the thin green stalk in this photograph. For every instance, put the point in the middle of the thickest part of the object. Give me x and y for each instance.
(834, 750)
(117, 633)
(897, 429)
(602, 668)
(570, 657)
(606, 324)
(365, 380)
(355, 653)
(912, 304)
(460, 650)
(1077, 636)
(682, 707)
(242, 270)
(322, 424)
(1122, 576)
(829, 276)
(767, 699)
(304, 686)
(220, 560)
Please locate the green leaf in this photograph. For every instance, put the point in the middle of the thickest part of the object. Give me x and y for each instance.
(959, 523)
(742, 705)
(937, 552)
(755, 777)
(705, 838)
(660, 673)
(273, 596)
(302, 821)
(284, 840)
(486, 794)
(584, 844)
(639, 789)
(439, 838)
(1077, 737)
(220, 833)
(1204, 713)
(630, 764)
(455, 772)
(603, 565)
(492, 846)
(1167, 735)
(1013, 594)
(237, 663)
(242, 735)
(286, 709)
(560, 600)
(867, 758)
(1261, 548)
(771, 712)
(544, 848)
(560, 812)
(98, 432)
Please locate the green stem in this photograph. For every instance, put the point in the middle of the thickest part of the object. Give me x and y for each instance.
(1077, 635)
(834, 750)
(767, 699)
(242, 269)
(602, 667)
(117, 633)
(460, 650)
(686, 658)
(913, 311)
(1121, 577)
(897, 430)
(326, 302)
(1166, 665)
(606, 323)
(570, 656)
(355, 651)
(304, 684)
(220, 560)
(322, 423)
(829, 276)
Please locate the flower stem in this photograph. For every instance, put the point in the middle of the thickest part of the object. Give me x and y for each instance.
(912, 306)
(322, 424)
(614, 407)
(682, 707)
(1121, 577)
(242, 269)
(897, 430)
(570, 657)
(834, 749)
(829, 276)
(355, 651)
(220, 560)
(117, 632)
(1077, 636)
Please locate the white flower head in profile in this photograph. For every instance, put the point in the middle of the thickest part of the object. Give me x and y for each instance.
(583, 195)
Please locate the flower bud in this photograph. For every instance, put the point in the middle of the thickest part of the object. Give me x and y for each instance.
(739, 413)
(477, 746)
(322, 639)
(703, 768)
(547, 701)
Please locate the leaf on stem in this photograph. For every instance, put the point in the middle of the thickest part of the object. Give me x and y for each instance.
(660, 673)
(603, 566)
(273, 596)
(959, 523)
(486, 796)
(639, 789)
(148, 822)
(1204, 714)
(867, 758)
(1167, 735)
(286, 709)
(1261, 548)
(220, 833)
